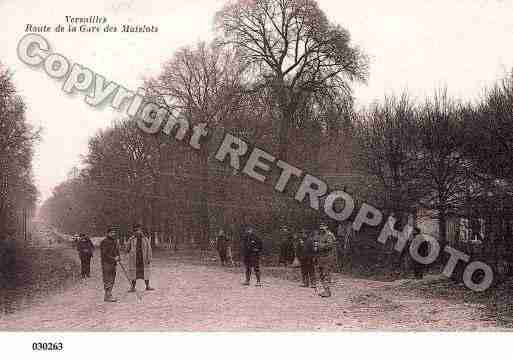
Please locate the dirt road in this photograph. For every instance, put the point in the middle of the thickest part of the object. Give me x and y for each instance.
(207, 298)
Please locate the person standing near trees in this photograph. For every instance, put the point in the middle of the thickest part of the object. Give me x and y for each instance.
(324, 245)
(252, 247)
(345, 235)
(223, 247)
(140, 257)
(110, 258)
(305, 257)
(286, 246)
(85, 250)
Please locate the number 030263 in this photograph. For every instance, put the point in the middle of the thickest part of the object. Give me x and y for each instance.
(42, 346)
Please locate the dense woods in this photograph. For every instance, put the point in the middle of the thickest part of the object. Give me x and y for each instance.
(286, 88)
(280, 75)
(18, 194)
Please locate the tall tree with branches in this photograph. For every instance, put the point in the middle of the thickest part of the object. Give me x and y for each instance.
(388, 150)
(203, 84)
(17, 138)
(445, 169)
(291, 47)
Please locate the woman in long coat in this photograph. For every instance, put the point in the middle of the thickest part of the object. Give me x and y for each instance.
(139, 258)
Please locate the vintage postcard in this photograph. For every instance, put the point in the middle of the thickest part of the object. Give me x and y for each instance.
(284, 166)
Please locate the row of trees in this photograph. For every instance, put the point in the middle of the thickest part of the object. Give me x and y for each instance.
(278, 75)
(18, 194)
(443, 160)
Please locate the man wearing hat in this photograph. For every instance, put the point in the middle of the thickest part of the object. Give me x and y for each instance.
(110, 257)
(139, 258)
(251, 249)
(306, 258)
(324, 246)
(85, 250)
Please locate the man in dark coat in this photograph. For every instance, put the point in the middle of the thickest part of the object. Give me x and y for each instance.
(475, 227)
(85, 250)
(110, 257)
(286, 246)
(305, 256)
(251, 247)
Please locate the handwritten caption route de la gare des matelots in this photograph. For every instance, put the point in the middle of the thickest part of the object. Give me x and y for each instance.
(90, 24)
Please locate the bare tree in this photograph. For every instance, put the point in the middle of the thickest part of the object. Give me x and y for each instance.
(291, 47)
(388, 150)
(203, 84)
(490, 135)
(444, 170)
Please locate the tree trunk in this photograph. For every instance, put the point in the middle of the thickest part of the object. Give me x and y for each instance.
(204, 219)
(283, 139)
(442, 228)
(286, 107)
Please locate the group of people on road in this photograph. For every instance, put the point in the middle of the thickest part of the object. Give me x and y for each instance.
(316, 252)
(290, 244)
(139, 259)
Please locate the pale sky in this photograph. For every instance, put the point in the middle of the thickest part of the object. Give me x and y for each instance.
(415, 45)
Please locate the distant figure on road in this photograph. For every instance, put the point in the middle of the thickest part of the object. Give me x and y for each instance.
(110, 257)
(74, 240)
(475, 227)
(85, 250)
(345, 236)
(223, 245)
(251, 247)
(140, 256)
(286, 246)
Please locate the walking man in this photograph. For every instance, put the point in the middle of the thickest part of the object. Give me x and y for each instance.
(139, 258)
(85, 250)
(223, 247)
(305, 257)
(110, 257)
(251, 247)
(324, 245)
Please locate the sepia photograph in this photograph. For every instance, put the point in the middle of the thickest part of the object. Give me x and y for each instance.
(255, 166)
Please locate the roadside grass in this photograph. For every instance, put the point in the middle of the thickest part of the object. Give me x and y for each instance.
(29, 273)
